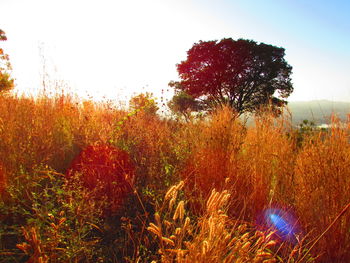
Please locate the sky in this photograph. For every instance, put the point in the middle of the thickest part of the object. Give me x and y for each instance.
(116, 49)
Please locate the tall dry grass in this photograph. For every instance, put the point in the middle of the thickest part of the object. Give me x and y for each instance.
(214, 158)
(322, 173)
(268, 159)
(262, 166)
(255, 163)
(50, 130)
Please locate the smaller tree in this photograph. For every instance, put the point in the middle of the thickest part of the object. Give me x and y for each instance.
(6, 82)
(144, 102)
(184, 104)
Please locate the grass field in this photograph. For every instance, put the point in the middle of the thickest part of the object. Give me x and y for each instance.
(88, 182)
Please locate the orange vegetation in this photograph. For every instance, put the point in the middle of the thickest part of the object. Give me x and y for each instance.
(111, 152)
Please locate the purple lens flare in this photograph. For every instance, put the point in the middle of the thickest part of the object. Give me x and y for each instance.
(283, 223)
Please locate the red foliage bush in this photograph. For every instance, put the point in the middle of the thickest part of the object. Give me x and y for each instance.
(105, 170)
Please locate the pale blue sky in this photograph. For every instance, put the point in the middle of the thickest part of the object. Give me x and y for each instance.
(116, 48)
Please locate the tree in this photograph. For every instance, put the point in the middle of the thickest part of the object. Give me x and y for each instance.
(6, 82)
(144, 102)
(184, 104)
(241, 73)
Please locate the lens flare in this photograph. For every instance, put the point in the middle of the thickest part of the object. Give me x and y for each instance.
(282, 222)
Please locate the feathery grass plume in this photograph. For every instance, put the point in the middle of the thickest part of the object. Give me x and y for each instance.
(217, 239)
(172, 194)
(154, 229)
(179, 211)
(214, 237)
(34, 248)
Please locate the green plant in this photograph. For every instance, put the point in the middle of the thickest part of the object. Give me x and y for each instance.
(58, 223)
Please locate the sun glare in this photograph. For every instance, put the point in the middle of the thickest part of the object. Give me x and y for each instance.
(109, 48)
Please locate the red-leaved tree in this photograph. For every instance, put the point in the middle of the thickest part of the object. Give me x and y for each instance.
(240, 73)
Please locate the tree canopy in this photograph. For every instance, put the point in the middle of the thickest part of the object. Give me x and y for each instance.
(6, 82)
(241, 73)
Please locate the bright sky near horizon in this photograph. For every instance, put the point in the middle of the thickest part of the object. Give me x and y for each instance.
(119, 48)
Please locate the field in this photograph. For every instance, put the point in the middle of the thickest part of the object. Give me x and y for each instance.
(89, 182)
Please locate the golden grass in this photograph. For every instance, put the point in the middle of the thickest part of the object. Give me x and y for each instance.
(268, 160)
(322, 173)
(214, 236)
(50, 130)
(252, 168)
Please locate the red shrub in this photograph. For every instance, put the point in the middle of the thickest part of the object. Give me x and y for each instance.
(107, 171)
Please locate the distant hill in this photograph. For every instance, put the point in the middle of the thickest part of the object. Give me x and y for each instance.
(318, 111)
